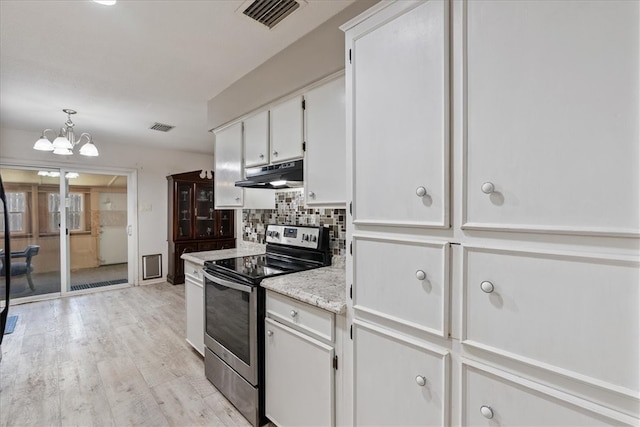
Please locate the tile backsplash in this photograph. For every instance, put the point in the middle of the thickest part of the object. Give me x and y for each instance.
(290, 210)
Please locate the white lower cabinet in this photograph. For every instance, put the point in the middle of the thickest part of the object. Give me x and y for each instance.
(194, 301)
(494, 398)
(398, 381)
(300, 368)
(299, 378)
(583, 298)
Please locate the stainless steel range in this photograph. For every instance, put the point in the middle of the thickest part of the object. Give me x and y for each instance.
(235, 310)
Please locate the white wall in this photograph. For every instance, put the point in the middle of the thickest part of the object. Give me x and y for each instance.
(152, 166)
(309, 59)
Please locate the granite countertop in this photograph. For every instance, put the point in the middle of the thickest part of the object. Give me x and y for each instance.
(321, 287)
(245, 249)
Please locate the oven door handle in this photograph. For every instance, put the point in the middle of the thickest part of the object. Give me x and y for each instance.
(227, 283)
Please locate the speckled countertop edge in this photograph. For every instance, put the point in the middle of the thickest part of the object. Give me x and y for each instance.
(321, 287)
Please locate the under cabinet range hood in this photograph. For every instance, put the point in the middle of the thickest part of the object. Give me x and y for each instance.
(281, 175)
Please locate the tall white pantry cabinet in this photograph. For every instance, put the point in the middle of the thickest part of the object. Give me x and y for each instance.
(493, 154)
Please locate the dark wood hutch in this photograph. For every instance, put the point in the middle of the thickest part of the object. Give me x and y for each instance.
(194, 224)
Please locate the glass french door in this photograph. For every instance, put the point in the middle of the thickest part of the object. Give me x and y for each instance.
(69, 231)
(35, 240)
(97, 223)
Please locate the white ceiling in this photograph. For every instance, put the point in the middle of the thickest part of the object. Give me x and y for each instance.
(126, 66)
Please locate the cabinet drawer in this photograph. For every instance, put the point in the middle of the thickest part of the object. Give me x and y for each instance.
(311, 320)
(207, 246)
(398, 382)
(576, 315)
(193, 271)
(403, 281)
(494, 398)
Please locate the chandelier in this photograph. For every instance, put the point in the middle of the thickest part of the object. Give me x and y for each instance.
(66, 140)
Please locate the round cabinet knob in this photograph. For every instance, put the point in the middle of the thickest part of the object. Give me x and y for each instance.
(421, 381)
(421, 275)
(421, 191)
(486, 286)
(294, 313)
(275, 154)
(261, 156)
(269, 333)
(488, 188)
(486, 412)
(312, 195)
(237, 199)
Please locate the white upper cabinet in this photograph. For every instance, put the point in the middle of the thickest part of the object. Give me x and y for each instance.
(286, 130)
(552, 132)
(256, 140)
(228, 161)
(400, 96)
(325, 155)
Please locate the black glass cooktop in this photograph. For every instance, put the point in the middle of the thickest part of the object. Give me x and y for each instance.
(257, 267)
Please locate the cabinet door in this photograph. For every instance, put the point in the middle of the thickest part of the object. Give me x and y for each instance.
(299, 378)
(204, 211)
(225, 223)
(397, 382)
(556, 311)
(184, 211)
(552, 116)
(286, 130)
(402, 281)
(325, 155)
(256, 140)
(499, 399)
(194, 300)
(182, 248)
(228, 158)
(400, 116)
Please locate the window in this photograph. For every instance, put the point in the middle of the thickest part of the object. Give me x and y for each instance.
(17, 207)
(75, 219)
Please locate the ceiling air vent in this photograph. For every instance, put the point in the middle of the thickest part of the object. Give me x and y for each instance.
(161, 127)
(270, 12)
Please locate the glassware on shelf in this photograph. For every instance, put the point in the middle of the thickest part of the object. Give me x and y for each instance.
(184, 215)
(185, 195)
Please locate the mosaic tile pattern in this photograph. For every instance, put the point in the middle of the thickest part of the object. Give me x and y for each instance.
(290, 210)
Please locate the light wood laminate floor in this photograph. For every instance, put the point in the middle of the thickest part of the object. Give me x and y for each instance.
(112, 358)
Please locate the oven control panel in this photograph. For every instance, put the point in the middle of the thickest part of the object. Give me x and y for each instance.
(303, 237)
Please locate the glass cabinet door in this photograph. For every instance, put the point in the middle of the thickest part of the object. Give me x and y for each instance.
(205, 213)
(225, 223)
(184, 210)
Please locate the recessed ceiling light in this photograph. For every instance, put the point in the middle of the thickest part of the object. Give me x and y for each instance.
(106, 2)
